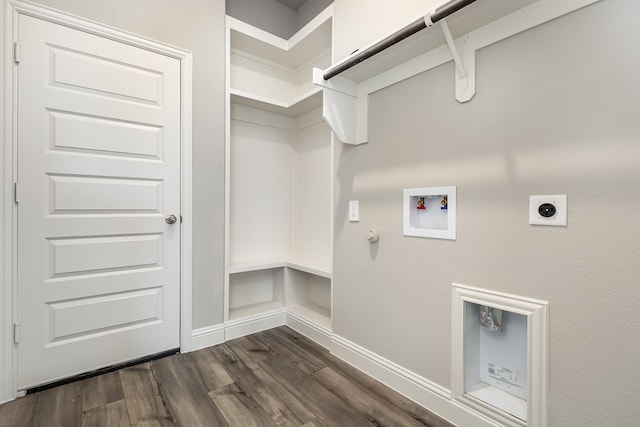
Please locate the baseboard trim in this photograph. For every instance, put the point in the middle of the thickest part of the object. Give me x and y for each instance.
(428, 394)
(318, 333)
(252, 324)
(207, 337)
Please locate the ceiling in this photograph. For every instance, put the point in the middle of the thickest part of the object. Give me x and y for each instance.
(293, 4)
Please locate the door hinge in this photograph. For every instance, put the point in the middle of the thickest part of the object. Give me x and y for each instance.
(16, 333)
(16, 52)
(16, 192)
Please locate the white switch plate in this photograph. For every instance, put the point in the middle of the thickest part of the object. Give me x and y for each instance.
(559, 218)
(354, 210)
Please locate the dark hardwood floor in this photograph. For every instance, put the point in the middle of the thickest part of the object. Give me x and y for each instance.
(272, 378)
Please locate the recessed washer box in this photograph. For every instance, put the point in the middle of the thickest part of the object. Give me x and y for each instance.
(430, 212)
(548, 210)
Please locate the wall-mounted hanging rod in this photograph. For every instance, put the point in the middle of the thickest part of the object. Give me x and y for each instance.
(418, 25)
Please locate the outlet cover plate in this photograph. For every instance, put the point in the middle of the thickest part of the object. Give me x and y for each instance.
(560, 216)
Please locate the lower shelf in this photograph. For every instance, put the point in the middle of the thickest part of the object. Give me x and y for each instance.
(313, 312)
(311, 320)
(303, 290)
(254, 309)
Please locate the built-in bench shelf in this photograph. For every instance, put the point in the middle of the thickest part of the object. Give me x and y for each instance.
(260, 296)
(304, 286)
(255, 292)
(309, 296)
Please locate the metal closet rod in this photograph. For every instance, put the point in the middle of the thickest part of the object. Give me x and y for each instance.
(418, 25)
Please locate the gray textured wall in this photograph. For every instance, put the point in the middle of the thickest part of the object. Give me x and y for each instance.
(268, 15)
(198, 26)
(556, 112)
(275, 17)
(309, 10)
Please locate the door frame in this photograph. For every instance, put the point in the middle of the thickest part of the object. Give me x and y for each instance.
(9, 13)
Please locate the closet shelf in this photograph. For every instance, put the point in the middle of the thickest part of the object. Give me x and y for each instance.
(472, 17)
(273, 74)
(300, 49)
(456, 38)
(296, 107)
(265, 264)
(313, 313)
(316, 266)
(271, 307)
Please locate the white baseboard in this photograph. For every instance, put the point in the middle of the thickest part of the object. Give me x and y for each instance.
(207, 337)
(218, 334)
(252, 324)
(428, 394)
(311, 330)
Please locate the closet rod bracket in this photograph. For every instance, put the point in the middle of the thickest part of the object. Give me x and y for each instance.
(464, 65)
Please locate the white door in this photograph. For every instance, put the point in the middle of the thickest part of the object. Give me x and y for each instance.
(98, 172)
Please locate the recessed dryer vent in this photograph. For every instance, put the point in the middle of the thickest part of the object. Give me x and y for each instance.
(499, 355)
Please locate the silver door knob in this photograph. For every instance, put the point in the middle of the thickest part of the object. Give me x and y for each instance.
(171, 219)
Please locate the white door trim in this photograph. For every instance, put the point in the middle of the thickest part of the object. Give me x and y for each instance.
(8, 227)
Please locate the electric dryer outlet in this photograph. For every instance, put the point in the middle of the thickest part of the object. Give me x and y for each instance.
(548, 210)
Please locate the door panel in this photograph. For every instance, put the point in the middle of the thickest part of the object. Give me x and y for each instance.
(121, 310)
(104, 76)
(99, 169)
(92, 135)
(92, 255)
(89, 194)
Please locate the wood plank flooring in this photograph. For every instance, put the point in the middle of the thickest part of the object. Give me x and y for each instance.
(272, 378)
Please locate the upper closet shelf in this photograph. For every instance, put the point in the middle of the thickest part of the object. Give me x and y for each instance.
(455, 37)
(274, 74)
(302, 47)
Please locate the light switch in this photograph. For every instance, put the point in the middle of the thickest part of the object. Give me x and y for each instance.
(354, 210)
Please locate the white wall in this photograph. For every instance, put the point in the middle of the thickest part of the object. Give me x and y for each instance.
(556, 112)
(198, 26)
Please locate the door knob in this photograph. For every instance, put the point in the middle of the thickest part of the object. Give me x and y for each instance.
(170, 219)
